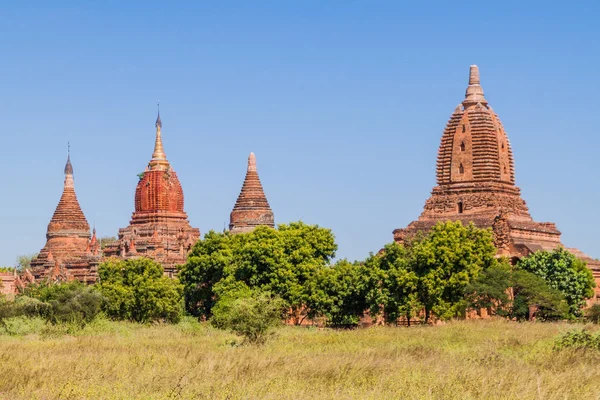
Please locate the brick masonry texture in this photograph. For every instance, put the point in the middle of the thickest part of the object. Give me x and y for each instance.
(251, 208)
(159, 227)
(476, 183)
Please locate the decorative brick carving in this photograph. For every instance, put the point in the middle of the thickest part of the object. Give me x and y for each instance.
(476, 180)
(159, 227)
(251, 208)
(69, 252)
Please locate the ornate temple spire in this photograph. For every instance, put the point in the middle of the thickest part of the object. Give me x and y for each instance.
(158, 156)
(68, 169)
(474, 93)
(68, 216)
(251, 208)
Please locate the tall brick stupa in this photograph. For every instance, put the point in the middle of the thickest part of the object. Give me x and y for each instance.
(70, 252)
(476, 183)
(159, 227)
(251, 208)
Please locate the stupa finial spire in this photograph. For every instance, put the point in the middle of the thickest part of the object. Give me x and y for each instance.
(252, 162)
(68, 165)
(158, 156)
(474, 93)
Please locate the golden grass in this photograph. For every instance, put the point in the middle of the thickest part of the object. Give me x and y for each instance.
(459, 360)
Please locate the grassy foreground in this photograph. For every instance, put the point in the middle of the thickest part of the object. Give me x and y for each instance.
(459, 360)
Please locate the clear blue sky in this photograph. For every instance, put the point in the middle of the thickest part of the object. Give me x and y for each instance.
(343, 103)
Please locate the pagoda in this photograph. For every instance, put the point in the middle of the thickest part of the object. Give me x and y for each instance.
(70, 252)
(251, 208)
(159, 227)
(476, 183)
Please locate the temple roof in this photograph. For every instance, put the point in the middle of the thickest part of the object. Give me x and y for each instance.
(68, 218)
(159, 158)
(159, 188)
(252, 194)
(251, 207)
(474, 146)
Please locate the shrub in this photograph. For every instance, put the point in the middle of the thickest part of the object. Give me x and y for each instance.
(250, 314)
(592, 314)
(71, 302)
(137, 290)
(578, 340)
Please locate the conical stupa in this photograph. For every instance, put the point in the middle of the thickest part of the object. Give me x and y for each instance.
(251, 208)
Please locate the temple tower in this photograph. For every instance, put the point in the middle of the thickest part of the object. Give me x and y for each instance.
(70, 252)
(476, 183)
(159, 226)
(251, 208)
(476, 180)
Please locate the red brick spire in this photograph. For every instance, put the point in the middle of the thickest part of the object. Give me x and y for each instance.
(251, 208)
(476, 180)
(159, 227)
(68, 252)
(474, 145)
(68, 219)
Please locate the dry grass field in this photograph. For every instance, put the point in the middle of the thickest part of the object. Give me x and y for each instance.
(459, 360)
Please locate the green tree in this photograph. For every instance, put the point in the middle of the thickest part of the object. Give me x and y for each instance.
(491, 289)
(281, 261)
(445, 261)
(24, 261)
(138, 290)
(205, 268)
(339, 293)
(249, 313)
(530, 292)
(392, 284)
(565, 272)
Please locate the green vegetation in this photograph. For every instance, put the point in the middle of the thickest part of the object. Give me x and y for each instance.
(137, 290)
(247, 313)
(578, 339)
(24, 261)
(457, 360)
(592, 314)
(72, 302)
(435, 276)
(492, 288)
(283, 261)
(564, 272)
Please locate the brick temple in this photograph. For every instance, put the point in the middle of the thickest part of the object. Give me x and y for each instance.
(70, 251)
(251, 208)
(159, 227)
(476, 183)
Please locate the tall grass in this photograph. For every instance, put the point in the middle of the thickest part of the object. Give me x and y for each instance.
(460, 360)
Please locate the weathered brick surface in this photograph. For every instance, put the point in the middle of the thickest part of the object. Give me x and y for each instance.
(251, 208)
(476, 183)
(159, 227)
(69, 253)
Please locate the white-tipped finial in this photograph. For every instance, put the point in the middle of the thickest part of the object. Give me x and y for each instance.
(474, 75)
(252, 162)
(474, 93)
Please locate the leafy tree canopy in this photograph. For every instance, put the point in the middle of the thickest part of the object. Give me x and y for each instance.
(281, 261)
(445, 261)
(138, 290)
(564, 272)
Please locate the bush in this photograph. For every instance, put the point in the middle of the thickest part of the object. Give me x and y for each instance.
(592, 314)
(137, 290)
(578, 340)
(247, 313)
(72, 302)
